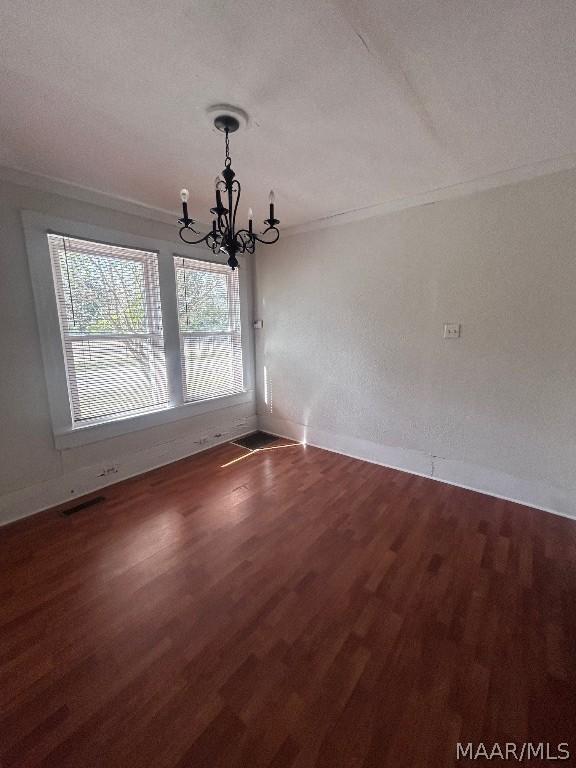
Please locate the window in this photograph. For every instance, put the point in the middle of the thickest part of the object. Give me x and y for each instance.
(133, 336)
(209, 323)
(110, 315)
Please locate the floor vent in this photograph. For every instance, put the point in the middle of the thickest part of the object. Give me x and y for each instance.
(255, 440)
(82, 505)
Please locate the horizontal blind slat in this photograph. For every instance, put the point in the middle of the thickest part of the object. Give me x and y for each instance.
(110, 315)
(210, 330)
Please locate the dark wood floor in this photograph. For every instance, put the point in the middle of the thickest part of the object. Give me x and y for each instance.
(294, 608)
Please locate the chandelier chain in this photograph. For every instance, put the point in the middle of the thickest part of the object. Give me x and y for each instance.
(228, 158)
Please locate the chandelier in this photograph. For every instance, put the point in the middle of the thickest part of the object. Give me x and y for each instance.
(224, 237)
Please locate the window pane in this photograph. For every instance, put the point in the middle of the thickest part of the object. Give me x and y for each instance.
(111, 322)
(209, 366)
(203, 300)
(106, 294)
(210, 334)
(116, 375)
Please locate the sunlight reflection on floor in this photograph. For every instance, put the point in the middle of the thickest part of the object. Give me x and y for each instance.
(257, 450)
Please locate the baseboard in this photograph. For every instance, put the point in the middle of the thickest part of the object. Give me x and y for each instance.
(59, 490)
(537, 494)
(32, 499)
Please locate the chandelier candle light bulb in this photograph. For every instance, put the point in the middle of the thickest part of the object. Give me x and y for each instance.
(271, 199)
(184, 198)
(224, 237)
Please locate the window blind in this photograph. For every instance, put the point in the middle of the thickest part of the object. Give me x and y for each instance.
(210, 333)
(111, 326)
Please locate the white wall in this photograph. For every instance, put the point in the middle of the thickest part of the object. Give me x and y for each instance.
(355, 360)
(353, 346)
(33, 474)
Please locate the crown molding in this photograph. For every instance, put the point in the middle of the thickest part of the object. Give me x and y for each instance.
(439, 194)
(86, 195)
(499, 179)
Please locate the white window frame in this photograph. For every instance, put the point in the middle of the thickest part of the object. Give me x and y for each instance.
(66, 434)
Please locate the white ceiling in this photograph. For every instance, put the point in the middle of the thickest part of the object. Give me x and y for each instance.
(353, 103)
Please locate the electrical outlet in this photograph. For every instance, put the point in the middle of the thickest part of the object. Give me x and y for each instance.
(451, 330)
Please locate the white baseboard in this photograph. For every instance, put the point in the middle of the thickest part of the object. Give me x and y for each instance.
(538, 494)
(27, 501)
(51, 493)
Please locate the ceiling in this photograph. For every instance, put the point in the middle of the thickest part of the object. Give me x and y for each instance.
(352, 103)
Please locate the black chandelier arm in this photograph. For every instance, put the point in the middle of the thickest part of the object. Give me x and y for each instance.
(259, 237)
(245, 241)
(219, 209)
(187, 224)
(238, 190)
(195, 242)
(223, 223)
(227, 219)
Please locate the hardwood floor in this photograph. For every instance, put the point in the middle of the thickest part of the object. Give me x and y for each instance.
(294, 608)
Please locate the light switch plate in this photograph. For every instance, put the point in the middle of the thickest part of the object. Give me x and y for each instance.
(451, 330)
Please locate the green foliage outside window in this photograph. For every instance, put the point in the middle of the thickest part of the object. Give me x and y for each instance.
(104, 295)
(202, 300)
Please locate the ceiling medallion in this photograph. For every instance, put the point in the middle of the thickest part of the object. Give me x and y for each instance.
(224, 237)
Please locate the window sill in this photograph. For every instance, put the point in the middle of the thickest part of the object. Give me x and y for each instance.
(73, 437)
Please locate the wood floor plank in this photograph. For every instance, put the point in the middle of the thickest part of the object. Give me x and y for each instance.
(289, 608)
